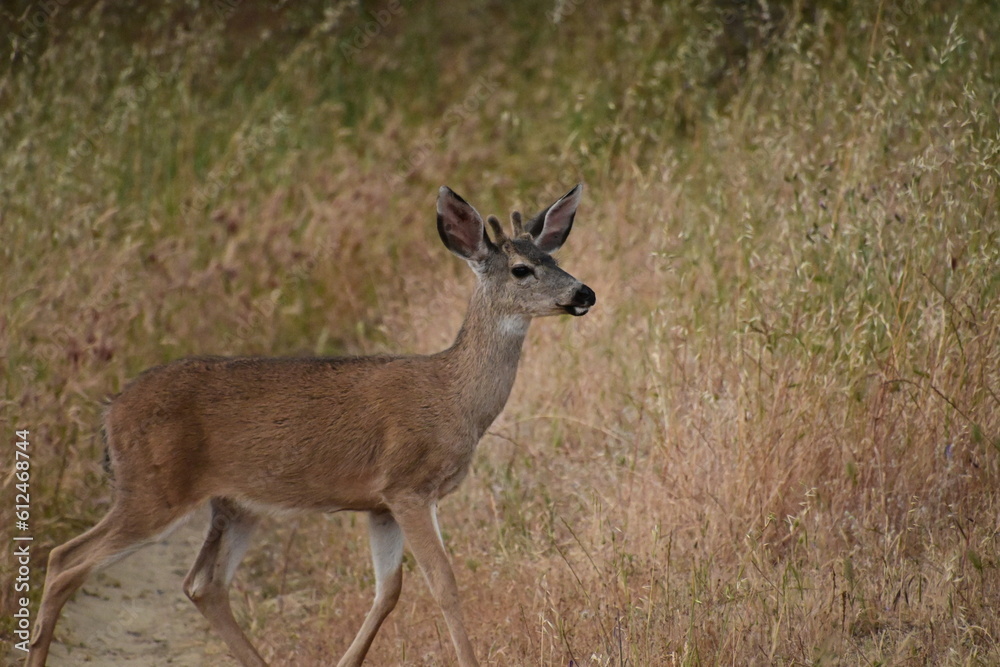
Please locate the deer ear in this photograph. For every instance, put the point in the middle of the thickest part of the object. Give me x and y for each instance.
(461, 227)
(551, 227)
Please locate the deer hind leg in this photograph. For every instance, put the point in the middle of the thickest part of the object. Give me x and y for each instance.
(387, 557)
(118, 534)
(207, 584)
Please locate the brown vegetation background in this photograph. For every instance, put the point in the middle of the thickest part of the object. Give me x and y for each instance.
(775, 440)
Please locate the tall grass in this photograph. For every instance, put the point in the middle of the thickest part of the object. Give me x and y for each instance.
(774, 441)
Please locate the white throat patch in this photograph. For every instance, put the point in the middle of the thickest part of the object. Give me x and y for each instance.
(514, 325)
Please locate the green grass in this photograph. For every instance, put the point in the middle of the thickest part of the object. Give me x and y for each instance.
(774, 441)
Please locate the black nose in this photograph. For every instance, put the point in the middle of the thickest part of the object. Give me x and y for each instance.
(584, 297)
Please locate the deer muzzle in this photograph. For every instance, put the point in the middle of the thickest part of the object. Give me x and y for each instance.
(581, 302)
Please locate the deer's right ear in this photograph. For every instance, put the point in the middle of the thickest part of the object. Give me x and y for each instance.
(461, 227)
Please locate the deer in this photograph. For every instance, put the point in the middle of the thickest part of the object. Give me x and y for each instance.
(386, 435)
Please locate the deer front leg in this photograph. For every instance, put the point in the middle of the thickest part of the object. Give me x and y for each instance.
(419, 525)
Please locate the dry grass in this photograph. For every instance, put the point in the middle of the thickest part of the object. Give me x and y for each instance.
(774, 441)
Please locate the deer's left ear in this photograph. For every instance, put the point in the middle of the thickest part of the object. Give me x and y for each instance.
(551, 227)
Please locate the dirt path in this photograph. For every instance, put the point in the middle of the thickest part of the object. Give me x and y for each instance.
(135, 613)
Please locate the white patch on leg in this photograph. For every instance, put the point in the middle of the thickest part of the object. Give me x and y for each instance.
(387, 547)
(237, 542)
(434, 520)
(194, 588)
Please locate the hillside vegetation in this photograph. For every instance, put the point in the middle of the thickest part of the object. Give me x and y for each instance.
(775, 439)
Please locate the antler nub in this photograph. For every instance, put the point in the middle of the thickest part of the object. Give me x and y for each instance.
(515, 221)
(497, 229)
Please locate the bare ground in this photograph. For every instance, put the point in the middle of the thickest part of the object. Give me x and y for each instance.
(135, 612)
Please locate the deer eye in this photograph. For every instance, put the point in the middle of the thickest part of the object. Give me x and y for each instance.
(521, 271)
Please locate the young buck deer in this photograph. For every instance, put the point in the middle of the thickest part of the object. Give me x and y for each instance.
(388, 435)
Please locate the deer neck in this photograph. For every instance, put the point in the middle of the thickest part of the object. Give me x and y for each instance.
(482, 363)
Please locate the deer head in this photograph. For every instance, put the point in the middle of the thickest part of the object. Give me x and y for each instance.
(517, 273)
